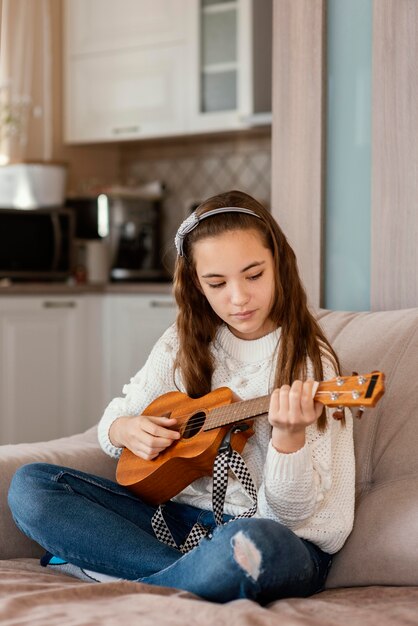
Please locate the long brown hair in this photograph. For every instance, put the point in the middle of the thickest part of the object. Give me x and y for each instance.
(197, 323)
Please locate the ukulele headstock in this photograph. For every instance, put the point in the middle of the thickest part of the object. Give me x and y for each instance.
(360, 390)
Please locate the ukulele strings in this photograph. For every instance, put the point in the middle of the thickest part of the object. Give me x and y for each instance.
(235, 409)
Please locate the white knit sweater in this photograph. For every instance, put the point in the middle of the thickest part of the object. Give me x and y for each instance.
(311, 491)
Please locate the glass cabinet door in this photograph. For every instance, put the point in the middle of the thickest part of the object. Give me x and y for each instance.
(219, 55)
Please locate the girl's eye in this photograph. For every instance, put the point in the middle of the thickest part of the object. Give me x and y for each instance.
(255, 276)
(215, 285)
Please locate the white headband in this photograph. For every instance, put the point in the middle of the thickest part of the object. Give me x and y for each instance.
(193, 220)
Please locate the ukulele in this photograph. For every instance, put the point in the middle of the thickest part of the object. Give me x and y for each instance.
(203, 423)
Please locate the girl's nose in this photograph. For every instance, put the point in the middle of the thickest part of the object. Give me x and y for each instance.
(239, 295)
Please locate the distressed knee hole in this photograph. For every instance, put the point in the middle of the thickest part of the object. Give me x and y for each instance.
(246, 555)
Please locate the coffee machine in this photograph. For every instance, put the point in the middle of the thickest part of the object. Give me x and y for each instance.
(134, 239)
(128, 226)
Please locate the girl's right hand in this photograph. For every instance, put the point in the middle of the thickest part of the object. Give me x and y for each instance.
(144, 435)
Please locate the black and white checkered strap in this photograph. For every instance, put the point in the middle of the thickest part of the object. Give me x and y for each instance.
(226, 459)
(160, 528)
(163, 534)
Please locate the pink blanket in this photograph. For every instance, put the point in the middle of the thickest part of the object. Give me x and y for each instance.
(34, 596)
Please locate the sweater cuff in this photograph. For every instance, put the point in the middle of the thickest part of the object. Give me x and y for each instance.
(104, 440)
(288, 466)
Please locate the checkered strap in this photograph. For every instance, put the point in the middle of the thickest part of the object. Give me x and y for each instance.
(163, 534)
(226, 459)
(160, 528)
(230, 459)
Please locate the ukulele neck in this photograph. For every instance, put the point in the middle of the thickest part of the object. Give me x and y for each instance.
(361, 391)
(237, 412)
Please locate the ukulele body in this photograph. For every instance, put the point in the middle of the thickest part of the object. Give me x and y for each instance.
(188, 458)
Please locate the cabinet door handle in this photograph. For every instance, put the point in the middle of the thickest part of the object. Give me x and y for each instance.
(162, 304)
(58, 304)
(120, 130)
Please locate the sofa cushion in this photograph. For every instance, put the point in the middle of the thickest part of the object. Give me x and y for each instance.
(81, 451)
(383, 546)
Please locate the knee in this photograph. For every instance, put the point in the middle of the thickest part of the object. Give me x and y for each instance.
(255, 542)
(23, 487)
(247, 554)
(251, 542)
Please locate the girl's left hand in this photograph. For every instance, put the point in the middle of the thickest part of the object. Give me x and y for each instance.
(292, 410)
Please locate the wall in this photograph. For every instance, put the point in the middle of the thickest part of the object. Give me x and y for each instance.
(196, 168)
(385, 227)
(298, 137)
(348, 155)
(395, 155)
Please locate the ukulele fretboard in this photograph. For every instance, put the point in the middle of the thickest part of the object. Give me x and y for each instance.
(236, 412)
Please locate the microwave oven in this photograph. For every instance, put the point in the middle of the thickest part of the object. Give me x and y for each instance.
(36, 244)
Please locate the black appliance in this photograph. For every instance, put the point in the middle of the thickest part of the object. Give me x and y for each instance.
(36, 244)
(91, 216)
(131, 226)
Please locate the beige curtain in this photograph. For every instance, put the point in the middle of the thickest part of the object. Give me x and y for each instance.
(25, 80)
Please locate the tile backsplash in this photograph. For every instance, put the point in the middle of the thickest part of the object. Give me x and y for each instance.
(193, 170)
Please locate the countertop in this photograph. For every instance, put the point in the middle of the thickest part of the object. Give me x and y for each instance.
(64, 289)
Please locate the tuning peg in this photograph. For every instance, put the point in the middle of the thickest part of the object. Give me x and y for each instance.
(360, 412)
(339, 413)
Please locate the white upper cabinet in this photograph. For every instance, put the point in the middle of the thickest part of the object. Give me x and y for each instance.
(231, 55)
(104, 25)
(124, 69)
(137, 69)
(129, 95)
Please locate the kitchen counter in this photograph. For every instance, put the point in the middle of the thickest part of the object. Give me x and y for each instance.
(64, 289)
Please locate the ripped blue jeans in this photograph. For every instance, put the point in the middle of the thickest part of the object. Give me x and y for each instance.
(99, 525)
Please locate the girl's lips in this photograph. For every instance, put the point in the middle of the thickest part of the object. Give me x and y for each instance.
(243, 316)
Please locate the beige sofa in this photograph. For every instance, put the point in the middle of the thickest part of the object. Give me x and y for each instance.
(373, 580)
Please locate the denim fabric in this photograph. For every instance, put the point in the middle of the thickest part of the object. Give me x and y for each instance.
(100, 525)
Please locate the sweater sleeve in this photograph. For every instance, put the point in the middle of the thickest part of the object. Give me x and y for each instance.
(152, 380)
(295, 484)
(313, 488)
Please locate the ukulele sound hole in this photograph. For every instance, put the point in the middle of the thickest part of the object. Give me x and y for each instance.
(194, 425)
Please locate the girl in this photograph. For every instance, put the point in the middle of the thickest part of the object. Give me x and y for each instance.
(243, 322)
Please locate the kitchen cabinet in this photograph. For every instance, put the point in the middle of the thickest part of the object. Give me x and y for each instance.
(132, 325)
(104, 25)
(231, 64)
(62, 359)
(138, 69)
(46, 386)
(124, 69)
(130, 95)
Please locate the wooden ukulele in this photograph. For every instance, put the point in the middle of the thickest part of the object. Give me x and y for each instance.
(203, 423)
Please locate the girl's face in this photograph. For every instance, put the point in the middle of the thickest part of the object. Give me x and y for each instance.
(236, 274)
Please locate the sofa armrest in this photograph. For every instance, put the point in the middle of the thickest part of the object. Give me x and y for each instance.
(80, 451)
